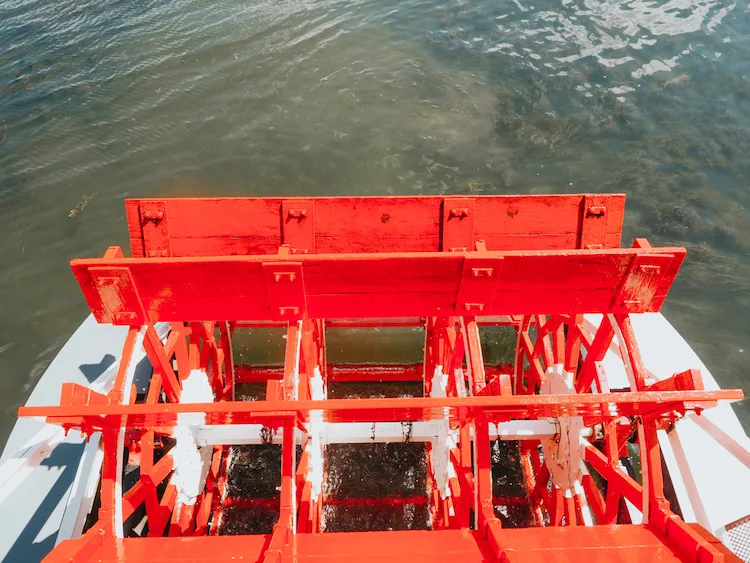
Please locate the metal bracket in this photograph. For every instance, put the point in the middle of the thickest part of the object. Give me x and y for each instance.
(476, 290)
(298, 225)
(642, 281)
(120, 302)
(155, 228)
(286, 289)
(458, 224)
(594, 217)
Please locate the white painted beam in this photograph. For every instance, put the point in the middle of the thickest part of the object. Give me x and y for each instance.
(368, 432)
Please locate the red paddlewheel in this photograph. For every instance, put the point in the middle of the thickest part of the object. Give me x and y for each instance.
(468, 461)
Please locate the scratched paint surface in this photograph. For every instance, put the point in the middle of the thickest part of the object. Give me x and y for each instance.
(189, 97)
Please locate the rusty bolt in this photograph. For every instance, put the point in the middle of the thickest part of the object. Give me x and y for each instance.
(476, 272)
(148, 216)
(283, 310)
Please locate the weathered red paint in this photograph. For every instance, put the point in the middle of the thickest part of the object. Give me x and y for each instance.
(219, 226)
(450, 265)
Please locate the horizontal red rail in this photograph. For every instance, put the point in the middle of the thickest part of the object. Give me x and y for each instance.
(419, 500)
(341, 373)
(133, 291)
(497, 409)
(377, 323)
(354, 372)
(244, 373)
(595, 544)
(251, 502)
(357, 323)
(361, 501)
(240, 226)
(503, 320)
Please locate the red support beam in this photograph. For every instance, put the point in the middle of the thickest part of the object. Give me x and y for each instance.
(162, 365)
(355, 285)
(596, 353)
(605, 406)
(366, 372)
(292, 362)
(475, 360)
(485, 512)
(617, 479)
(109, 489)
(118, 391)
(237, 226)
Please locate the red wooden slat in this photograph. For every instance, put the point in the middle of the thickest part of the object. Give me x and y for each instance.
(231, 226)
(358, 286)
(607, 544)
(378, 224)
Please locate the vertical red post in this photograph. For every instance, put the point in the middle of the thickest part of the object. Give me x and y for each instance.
(292, 361)
(482, 472)
(109, 488)
(636, 362)
(286, 526)
(479, 379)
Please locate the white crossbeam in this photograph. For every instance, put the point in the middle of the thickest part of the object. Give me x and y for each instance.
(366, 433)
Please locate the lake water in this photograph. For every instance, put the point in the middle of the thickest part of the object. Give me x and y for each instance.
(194, 97)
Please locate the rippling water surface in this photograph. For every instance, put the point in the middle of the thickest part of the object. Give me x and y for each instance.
(191, 97)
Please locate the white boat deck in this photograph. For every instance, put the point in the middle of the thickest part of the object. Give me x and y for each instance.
(34, 502)
(709, 478)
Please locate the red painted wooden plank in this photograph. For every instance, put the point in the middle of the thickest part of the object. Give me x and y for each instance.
(571, 544)
(378, 286)
(224, 549)
(444, 546)
(609, 544)
(368, 273)
(225, 246)
(519, 215)
(222, 224)
(220, 217)
(377, 224)
(365, 372)
(229, 226)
